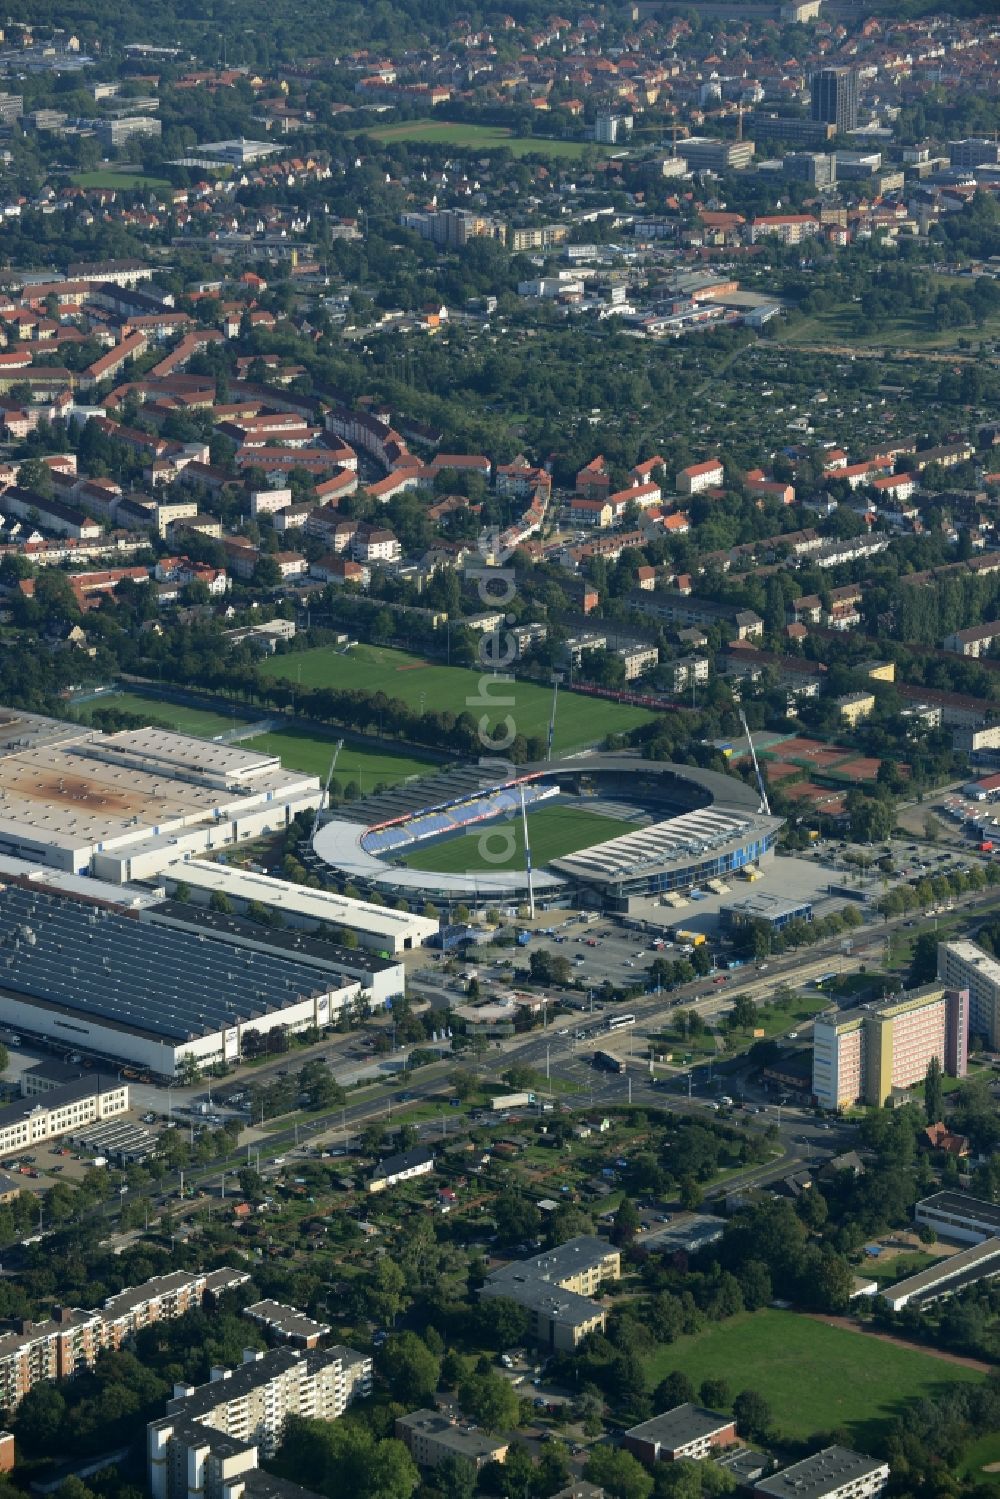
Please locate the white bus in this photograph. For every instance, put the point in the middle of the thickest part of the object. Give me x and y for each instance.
(619, 1022)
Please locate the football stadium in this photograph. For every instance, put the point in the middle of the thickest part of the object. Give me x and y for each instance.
(601, 828)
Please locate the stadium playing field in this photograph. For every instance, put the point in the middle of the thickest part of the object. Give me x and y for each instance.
(482, 138)
(367, 768)
(580, 720)
(553, 831)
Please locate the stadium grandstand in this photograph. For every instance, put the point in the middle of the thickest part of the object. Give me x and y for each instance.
(438, 822)
(695, 824)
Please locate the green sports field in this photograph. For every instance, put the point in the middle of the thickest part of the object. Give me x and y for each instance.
(553, 831)
(369, 768)
(198, 721)
(480, 137)
(815, 1377)
(123, 181)
(580, 720)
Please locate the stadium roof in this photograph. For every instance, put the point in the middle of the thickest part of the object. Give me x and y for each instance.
(676, 843)
(153, 980)
(342, 841)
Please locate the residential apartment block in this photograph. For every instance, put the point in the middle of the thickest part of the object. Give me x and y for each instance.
(163, 1297)
(212, 1433)
(688, 1431)
(834, 1473)
(976, 641)
(286, 1324)
(72, 1339)
(555, 1289)
(862, 1055)
(431, 1436)
(965, 965)
(700, 476)
(55, 1349)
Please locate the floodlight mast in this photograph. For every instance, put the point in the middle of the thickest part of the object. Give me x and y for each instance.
(764, 804)
(326, 788)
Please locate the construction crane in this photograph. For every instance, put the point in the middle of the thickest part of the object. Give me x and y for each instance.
(556, 679)
(326, 788)
(765, 806)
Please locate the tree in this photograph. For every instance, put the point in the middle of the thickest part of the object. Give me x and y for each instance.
(744, 1013)
(923, 962)
(38, 1424)
(675, 1389)
(490, 1400)
(385, 1294)
(618, 1473)
(464, 1084)
(626, 1224)
(516, 1217)
(753, 1415)
(411, 1368)
(266, 573)
(455, 1477)
(373, 1137)
(714, 1393)
(690, 1195)
(501, 1322)
(345, 1457)
(933, 1092)
(553, 1468)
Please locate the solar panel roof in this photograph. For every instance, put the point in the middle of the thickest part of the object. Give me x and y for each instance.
(158, 980)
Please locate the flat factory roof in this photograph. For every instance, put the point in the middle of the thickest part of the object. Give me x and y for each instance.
(153, 980)
(314, 905)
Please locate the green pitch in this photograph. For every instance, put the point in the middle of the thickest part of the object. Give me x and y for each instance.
(553, 831)
(580, 720)
(813, 1376)
(481, 138)
(368, 768)
(198, 721)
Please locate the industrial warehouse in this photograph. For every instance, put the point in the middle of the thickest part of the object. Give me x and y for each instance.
(89, 972)
(122, 806)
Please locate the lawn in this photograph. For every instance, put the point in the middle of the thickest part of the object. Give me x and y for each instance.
(483, 137)
(981, 1462)
(369, 768)
(580, 720)
(126, 181)
(913, 328)
(199, 721)
(814, 1377)
(553, 831)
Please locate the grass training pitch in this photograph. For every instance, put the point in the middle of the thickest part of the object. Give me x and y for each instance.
(580, 720)
(553, 831)
(199, 721)
(123, 181)
(481, 137)
(814, 1377)
(368, 768)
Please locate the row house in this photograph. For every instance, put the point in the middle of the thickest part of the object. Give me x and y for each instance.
(842, 613)
(375, 544)
(520, 481)
(340, 571)
(593, 482)
(699, 476)
(115, 360)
